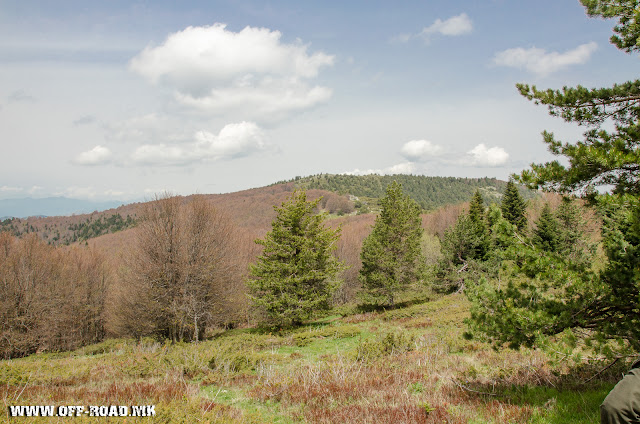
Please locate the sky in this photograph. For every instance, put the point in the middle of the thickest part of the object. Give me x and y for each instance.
(120, 100)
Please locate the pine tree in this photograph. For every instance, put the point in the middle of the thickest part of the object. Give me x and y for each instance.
(550, 295)
(605, 156)
(546, 235)
(295, 276)
(391, 254)
(513, 207)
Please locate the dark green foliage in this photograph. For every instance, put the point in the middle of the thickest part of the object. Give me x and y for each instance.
(628, 14)
(463, 241)
(603, 157)
(295, 276)
(573, 240)
(391, 255)
(429, 192)
(103, 225)
(513, 207)
(546, 234)
(548, 294)
(619, 309)
(550, 289)
(476, 208)
(470, 248)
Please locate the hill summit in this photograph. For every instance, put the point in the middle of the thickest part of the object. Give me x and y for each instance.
(429, 192)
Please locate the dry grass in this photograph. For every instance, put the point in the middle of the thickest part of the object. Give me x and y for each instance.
(417, 369)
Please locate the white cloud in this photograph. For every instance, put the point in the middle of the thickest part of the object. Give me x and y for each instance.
(234, 141)
(483, 156)
(114, 193)
(99, 155)
(76, 192)
(420, 150)
(456, 25)
(401, 168)
(8, 189)
(34, 189)
(540, 62)
(212, 68)
(268, 98)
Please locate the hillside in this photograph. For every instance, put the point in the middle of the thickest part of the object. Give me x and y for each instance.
(65, 230)
(429, 192)
(252, 209)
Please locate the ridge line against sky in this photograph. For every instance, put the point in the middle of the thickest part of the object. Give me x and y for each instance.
(120, 100)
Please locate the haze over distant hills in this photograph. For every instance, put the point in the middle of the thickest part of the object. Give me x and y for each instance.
(51, 206)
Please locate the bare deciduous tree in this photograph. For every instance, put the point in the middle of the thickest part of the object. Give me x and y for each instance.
(177, 270)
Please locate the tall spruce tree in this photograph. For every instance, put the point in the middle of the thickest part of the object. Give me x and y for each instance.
(476, 208)
(480, 227)
(546, 234)
(391, 254)
(513, 206)
(295, 276)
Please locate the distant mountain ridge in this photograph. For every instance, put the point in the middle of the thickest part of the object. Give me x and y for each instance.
(51, 206)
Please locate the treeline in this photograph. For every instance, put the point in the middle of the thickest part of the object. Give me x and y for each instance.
(55, 232)
(96, 227)
(429, 192)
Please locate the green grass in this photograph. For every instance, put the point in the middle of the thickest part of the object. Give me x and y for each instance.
(409, 364)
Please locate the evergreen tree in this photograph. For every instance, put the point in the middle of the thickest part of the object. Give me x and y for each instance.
(513, 207)
(461, 242)
(391, 255)
(546, 234)
(480, 228)
(295, 276)
(550, 295)
(476, 208)
(604, 157)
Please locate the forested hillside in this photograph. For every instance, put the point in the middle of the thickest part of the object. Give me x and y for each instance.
(429, 192)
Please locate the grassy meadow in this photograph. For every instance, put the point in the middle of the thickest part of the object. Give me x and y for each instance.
(407, 365)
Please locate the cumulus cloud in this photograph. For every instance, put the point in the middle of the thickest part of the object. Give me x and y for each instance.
(99, 155)
(212, 68)
(483, 156)
(234, 141)
(420, 150)
(541, 62)
(400, 168)
(456, 25)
